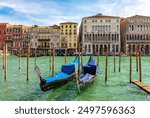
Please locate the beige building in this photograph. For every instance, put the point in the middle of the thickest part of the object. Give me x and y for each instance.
(41, 37)
(68, 36)
(135, 32)
(99, 31)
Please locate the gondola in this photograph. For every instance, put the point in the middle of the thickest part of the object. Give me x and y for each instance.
(68, 73)
(89, 73)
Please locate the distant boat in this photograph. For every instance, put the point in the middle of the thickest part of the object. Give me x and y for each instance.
(89, 73)
(67, 73)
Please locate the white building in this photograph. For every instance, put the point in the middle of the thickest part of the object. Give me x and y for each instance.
(99, 31)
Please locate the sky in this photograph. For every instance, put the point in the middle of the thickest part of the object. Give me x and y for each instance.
(50, 12)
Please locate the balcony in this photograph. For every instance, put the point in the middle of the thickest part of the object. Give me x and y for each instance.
(138, 41)
(43, 39)
(43, 47)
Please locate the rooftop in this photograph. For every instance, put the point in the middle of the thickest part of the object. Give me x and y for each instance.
(138, 16)
(99, 15)
(68, 23)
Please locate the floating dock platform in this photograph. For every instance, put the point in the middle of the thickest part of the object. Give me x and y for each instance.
(142, 85)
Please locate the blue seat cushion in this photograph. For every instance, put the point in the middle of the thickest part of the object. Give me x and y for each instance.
(57, 77)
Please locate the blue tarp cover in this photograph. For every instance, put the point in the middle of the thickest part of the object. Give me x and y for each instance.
(58, 76)
(90, 67)
(66, 71)
(86, 77)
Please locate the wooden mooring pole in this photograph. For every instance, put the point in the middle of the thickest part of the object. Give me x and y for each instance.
(3, 56)
(137, 64)
(120, 61)
(130, 64)
(19, 59)
(35, 56)
(106, 69)
(50, 60)
(5, 61)
(19, 62)
(28, 55)
(98, 56)
(53, 61)
(79, 60)
(65, 55)
(81, 57)
(114, 59)
(140, 67)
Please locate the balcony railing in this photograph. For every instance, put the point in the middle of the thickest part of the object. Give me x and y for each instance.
(105, 41)
(138, 41)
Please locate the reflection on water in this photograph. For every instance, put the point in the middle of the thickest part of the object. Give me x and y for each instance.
(117, 87)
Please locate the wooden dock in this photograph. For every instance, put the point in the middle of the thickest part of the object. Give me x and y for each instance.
(142, 85)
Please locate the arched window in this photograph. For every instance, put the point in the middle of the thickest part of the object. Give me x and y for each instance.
(132, 28)
(89, 48)
(85, 48)
(97, 48)
(96, 28)
(117, 48)
(93, 28)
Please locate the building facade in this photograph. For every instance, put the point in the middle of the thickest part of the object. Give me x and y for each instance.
(68, 36)
(99, 32)
(135, 34)
(41, 37)
(2, 34)
(12, 35)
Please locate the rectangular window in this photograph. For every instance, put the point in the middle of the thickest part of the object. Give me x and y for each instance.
(92, 28)
(69, 44)
(85, 29)
(35, 44)
(117, 27)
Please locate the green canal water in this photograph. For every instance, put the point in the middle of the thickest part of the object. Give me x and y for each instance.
(116, 89)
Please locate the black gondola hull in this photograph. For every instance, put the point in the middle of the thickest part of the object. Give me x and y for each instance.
(47, 86)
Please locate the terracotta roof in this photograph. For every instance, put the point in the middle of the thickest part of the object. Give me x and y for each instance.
(45, 27)
(69, 23)
(138, 16)
(4, 23)
(101, 16)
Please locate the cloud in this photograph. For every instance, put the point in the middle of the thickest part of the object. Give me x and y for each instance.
(49, 12)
